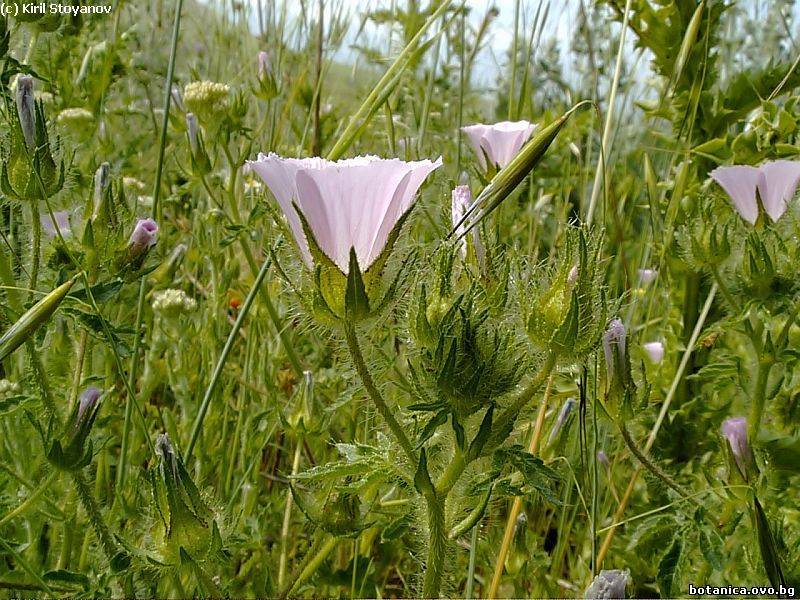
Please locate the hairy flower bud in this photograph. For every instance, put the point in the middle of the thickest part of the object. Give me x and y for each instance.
(614, 341)
(734, 430)
(191, 128)
(264, 68)
(26, 110)
(608, 584)
(563, 415)
(74, 450)
(186, 523)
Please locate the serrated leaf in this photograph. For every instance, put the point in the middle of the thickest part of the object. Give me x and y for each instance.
(668, 566)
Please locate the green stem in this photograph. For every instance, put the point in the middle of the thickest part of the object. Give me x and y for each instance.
(729, 298)
(36, 228)
(30, 500)
(316, 555)
(294, 360)
(126, 428)
(505, 421)
(437, 548)
(650, 465)
(375, 395)
(223, 357)
(758, 399)
(93, 512)
(473, 551)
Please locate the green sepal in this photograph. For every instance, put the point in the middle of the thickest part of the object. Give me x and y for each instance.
(484, 431)
(356, 302)
(422, 479)
(474, 516)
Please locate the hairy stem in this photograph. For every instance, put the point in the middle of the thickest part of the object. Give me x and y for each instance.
(375, 395)
(759, 397)
(30, 500)
(437, 547)
(93, 512)
(649, 464)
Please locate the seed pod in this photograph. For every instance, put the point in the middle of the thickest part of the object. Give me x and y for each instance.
(510, 176)
(28, 323)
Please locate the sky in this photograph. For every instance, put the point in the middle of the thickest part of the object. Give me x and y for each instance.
(559, 23)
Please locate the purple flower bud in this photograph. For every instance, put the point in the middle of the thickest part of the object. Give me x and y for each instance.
(608, 584)
(177, 98)
(572, 276)
(655, 351)
(26, 110)
(100, 182)
(87, 403)
(647, 276)
(264, 67)
(602, 458)
(144, 235)
(563, 415)
(735, 432)
(191, 127)
(613, 344)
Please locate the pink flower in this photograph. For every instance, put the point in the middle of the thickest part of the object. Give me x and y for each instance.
(655, 351)
(61, 223)
(461, 201)
(500, 142)
(350, 203)
(775, 181)
(144, 235)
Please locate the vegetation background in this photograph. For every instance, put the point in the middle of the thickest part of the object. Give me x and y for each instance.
(254, 394)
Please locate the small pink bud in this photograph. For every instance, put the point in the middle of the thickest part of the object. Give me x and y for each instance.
(144, 235)
(655, 351)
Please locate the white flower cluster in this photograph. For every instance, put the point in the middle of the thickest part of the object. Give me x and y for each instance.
(8, 389)
(172, 303)
(76, 117)
(205, 98)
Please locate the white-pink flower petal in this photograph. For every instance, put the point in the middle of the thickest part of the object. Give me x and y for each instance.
(740, 182)
(778, 186)
(461, 201)
(348, 203)
(499, 142)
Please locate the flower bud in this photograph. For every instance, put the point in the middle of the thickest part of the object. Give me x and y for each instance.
(264, 68)
(191, 128)
(27, 324)
(73, 452)
(144, 236)
(563, 415)
(201, 163)
(602, 458)
(461, 202)
(186, 521)
(26, 110)
(655, 351)
(614, 340)
(734, 430)
(100, 185)
(647, 276)
(608, 584)
(177, 98)
(618, 369)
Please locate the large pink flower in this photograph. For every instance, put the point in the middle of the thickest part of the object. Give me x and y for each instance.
(775, 181)
(500, 142)
(351, 203)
